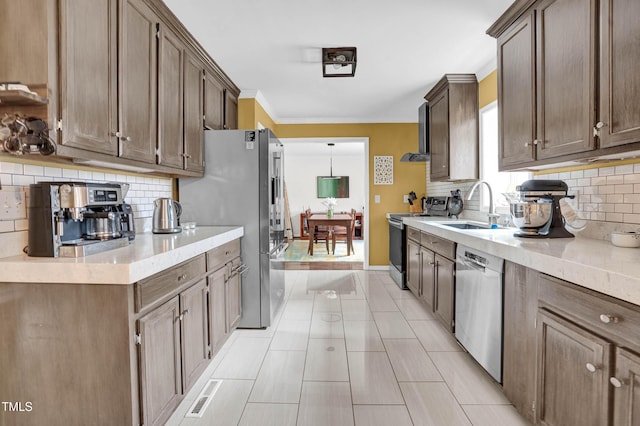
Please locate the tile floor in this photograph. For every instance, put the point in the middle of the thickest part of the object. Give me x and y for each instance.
(348, 348)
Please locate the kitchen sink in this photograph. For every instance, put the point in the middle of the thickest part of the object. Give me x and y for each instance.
(467, 225)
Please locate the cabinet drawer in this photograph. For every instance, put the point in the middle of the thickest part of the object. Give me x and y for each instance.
(223, 254)
(439, 245)
(413, 234)
(154, 288)
(592, 310)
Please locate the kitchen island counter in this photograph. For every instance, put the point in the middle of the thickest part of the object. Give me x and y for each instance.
(147, 255)
(590, 263)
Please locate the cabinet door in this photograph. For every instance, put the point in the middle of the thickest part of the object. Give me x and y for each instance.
(88, 72)
(619, 76)
(519, 344)
(194, 329)
(413, 267)
(428, 278)
(217, 308)
(626, 389)
(516, 94)
(234, 295)
(193, 114)
(230, 111)
(565, 76)
(439, 136)
(170, 98)
(138, 82)
(573, 373)
(444, 290)
(213, 102)
(160, 376)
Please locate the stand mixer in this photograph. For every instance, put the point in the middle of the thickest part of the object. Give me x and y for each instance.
(537, 210)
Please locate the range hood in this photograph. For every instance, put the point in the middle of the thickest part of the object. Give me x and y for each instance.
(423, 137)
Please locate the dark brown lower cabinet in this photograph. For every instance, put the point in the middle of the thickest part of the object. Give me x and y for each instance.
(428, 279)
(413, 267)
(194, 321)
(626, 389)
(519, 346)
(218, 314)
(160, 374)
(573, 374)
(444, 290)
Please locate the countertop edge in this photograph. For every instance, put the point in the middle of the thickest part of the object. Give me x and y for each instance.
(144, 257)
(571, 259)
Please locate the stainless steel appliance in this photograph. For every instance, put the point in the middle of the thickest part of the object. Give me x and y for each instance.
(423, 137)
(478, 307)
(166, 214)
(434, 206)
(74, 219)
(243, 185)
(536, 211)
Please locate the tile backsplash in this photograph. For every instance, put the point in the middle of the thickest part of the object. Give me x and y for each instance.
(607, 199)
(15, 176)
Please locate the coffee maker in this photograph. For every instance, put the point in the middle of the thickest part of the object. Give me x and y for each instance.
(536, 211)
(75, 219)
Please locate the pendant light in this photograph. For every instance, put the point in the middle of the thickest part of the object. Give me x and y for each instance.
(331, 145)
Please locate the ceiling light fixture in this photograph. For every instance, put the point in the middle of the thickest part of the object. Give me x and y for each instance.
(331, 145)
(338, 61)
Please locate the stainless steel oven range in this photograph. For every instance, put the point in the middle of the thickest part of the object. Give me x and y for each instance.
(434, 206)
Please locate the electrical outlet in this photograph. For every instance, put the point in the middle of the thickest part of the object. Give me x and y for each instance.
(405, 199)
(376, 199)
(12, 204)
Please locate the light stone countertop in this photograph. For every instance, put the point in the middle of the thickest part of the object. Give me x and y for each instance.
(590, 263)
(148, 254)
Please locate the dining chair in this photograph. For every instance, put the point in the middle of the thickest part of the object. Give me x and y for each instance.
(340, 233)
(321, 232)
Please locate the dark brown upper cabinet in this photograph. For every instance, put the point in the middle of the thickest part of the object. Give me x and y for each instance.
(567, 89)
(193, 113)
(230, 110)
(453, 128)
(213, 102)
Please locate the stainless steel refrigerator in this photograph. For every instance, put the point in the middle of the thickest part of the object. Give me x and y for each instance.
(243, 184)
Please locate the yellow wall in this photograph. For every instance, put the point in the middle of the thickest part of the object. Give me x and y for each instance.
(488, 89)
(384, 139)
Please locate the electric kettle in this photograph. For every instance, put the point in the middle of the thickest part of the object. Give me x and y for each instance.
(166, 213)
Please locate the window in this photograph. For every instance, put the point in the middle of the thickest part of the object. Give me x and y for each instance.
(500, 181)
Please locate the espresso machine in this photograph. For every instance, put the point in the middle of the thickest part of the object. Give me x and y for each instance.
(536, 211)
(76, 219)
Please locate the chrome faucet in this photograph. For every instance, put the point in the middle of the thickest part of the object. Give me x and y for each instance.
(492, 217)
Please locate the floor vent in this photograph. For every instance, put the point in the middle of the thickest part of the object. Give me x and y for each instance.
(204, 399)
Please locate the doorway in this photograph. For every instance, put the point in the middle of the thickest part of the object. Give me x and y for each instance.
(305, 160)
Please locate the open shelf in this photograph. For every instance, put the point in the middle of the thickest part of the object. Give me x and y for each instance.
(21, 98)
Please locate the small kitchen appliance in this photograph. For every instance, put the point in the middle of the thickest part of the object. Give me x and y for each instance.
(536, 211)
(75, 219)
(166, 214)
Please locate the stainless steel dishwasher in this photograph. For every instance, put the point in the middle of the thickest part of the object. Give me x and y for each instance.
(478, 307)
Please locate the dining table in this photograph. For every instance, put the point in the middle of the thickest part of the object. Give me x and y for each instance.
(321, 219)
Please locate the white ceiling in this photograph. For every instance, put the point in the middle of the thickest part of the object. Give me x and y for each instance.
(272, 48)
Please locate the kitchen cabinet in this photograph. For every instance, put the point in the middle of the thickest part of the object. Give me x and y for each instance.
(225, 291)
(137, 92)
(213, 102)
(194, 329)
(519, 345)
(431, 273)
(193, 117)
(559, 338)
(170, 99)
(453, 128)
(565, 82)
(619, 77)
(230, 110)
(572, 374)
(88, 74)
(160, 376)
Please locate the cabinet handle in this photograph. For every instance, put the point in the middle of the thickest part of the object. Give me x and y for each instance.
(615, 382)
(592, 368)
(182, 277)
(537, 141)
(599, 125)
(527, 144)
(596, 129)
(606, 318)
(433, 242)
(116, 134)
(185, 312)
(127, 139)
(432, 263)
